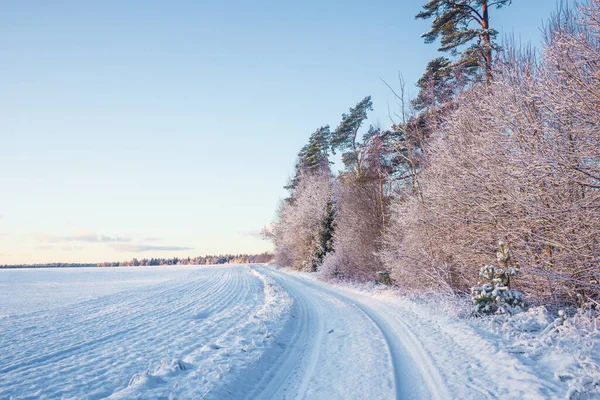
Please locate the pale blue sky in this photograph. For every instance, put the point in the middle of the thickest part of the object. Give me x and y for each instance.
(155, 128)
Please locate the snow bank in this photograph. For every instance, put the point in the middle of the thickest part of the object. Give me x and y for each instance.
(562, 348)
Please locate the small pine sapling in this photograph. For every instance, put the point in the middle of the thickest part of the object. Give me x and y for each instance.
(384, 278)
(494, 295)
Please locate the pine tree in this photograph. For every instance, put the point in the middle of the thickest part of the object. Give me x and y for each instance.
(313, 158)
(326, 233)
(494, 294)
(453, 23)
(316, 154)
(441, 82)
(344, 137)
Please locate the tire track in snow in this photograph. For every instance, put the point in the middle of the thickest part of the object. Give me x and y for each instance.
(413, 369)
(355, 353)
(419, 351)
(404, 372)
(282, 361)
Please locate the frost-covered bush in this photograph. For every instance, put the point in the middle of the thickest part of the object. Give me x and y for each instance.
(411, 252)
(519, 158)
(494, 294)
(300, 231)
(329, 269)
(358, 228)
(384, 277)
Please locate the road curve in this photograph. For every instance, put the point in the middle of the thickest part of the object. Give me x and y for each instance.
(428, 355)
(337, 347)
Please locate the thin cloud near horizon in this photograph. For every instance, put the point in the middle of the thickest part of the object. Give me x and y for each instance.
(63, 248)
(140, 248)
(82, 236)
(255, 233)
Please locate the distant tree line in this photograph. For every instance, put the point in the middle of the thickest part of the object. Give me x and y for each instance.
(49, 265)
(200, 260)
(500, 148)
(261, 258)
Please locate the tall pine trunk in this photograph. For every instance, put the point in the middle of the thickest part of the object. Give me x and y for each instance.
(487, 51)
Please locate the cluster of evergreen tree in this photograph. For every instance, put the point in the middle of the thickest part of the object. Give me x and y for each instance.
(499, 145)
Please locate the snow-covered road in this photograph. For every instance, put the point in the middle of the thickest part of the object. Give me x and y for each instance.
(366, 347)
(338, 348)
(243, 332)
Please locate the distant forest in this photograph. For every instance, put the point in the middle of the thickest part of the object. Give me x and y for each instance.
(206, 260)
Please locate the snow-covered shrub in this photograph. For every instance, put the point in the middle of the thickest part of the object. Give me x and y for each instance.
(518, 158)
(301, 232)
(384, 277)
(329, 269)
(358, 228)
(494, 294)
(411, 253)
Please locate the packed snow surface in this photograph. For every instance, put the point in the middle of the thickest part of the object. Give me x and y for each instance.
(238, 332)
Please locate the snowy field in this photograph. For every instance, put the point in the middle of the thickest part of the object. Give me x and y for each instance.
(35, 289)
(242, 332)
